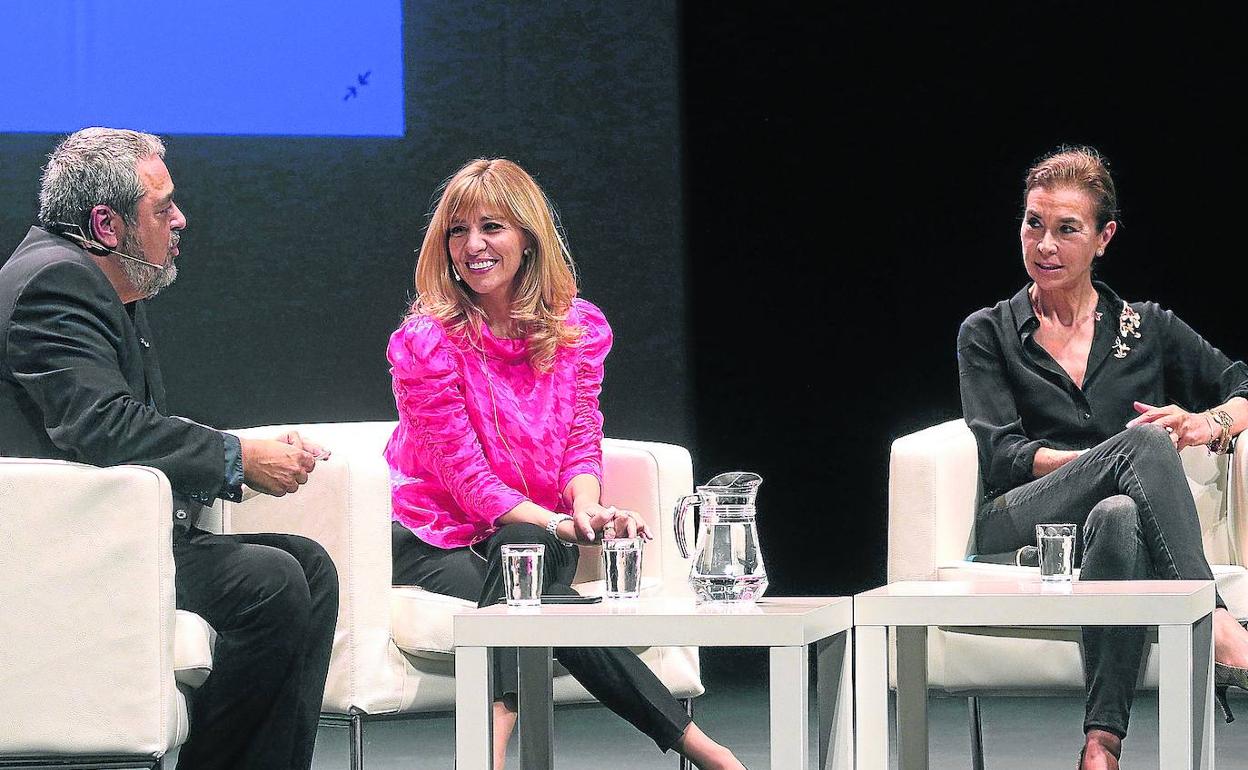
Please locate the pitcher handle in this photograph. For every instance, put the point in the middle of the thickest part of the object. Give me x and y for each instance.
(682, 509)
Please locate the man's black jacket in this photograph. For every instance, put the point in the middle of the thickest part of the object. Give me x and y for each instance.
(79, 379)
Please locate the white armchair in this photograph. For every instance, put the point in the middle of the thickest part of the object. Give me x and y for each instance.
(933, 494)
(393, 646)
(94, 660)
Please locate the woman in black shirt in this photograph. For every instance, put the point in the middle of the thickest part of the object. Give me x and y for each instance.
(1078, 401)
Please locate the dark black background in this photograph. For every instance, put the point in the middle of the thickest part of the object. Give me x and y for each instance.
(784, 210)
(854, 181)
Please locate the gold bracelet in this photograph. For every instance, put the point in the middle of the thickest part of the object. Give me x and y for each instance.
(1220, 444)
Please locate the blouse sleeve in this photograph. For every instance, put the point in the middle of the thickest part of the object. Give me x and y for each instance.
(1198, 376)
(1006, 455)
(428, 391)
(584, 450)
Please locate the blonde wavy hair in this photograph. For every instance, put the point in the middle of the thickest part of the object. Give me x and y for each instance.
(545, 284)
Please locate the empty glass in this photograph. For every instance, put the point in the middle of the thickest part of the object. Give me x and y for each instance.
(621, 567)
(522, 574)
(1057, 551)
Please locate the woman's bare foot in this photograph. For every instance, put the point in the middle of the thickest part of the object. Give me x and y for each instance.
(1101, 751)
(1230, 640)
(704, 752)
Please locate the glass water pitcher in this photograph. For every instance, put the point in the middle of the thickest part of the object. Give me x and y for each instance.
(727, 561)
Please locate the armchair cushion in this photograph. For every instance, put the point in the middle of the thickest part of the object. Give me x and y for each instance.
(193, 640)
(422, 620)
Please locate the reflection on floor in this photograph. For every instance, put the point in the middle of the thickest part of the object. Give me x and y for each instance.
(1019, 733)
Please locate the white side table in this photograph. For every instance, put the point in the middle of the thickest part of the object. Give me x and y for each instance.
(1182, 610)
(786, 625)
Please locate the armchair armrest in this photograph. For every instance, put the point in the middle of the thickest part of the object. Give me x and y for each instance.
(345, 506)
(1237, 503)
(933, 487)
(647, 477)
(86, 610)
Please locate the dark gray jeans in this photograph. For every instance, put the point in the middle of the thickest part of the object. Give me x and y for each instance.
(1130, 497)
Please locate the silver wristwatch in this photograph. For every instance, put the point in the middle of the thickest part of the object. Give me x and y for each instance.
(554, 523)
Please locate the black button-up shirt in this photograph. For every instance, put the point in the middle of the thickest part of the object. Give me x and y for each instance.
(1016, 398)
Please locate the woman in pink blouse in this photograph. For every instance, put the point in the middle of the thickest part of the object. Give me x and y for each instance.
(496, 373)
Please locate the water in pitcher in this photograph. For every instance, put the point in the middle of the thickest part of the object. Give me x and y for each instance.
(727, 561)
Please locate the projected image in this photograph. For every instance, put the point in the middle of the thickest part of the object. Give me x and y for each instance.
(312, 68)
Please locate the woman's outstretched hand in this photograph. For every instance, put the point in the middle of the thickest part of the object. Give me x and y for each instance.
(625, 524)
(596, 522)
(1185, 429)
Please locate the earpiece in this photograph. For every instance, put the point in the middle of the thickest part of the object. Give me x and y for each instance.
(74, 233)
(67, 230)
(455, 273)
(528, 253)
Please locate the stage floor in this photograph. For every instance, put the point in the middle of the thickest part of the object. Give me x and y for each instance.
(1032, 733)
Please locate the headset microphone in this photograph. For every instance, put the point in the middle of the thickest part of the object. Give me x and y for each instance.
(66, 230)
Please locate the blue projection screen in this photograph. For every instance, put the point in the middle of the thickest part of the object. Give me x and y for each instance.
(311, 68)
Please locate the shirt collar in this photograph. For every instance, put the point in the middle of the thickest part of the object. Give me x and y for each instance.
(1025, 317)
(1020, 308)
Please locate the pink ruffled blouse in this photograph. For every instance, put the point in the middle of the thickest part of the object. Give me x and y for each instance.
(480, 431)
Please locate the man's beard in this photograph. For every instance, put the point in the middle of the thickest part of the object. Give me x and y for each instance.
(146, 280)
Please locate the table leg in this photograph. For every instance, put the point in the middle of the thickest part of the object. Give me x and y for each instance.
(536, 719)
(474, 723)
(912, 697)
(834, 693)
(1185, 695)
(871, 698)
(790, 708)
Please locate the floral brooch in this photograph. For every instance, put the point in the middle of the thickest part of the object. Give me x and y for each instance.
(1128, 326)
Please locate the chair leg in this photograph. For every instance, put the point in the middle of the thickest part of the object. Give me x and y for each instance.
(356, 730)
(977, 733)
(684, 763)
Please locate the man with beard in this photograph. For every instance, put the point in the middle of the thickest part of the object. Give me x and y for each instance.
(79, 380)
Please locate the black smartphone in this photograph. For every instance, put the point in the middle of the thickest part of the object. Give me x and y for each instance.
(561, 599)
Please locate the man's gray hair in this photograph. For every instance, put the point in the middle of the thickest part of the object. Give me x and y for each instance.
(91, 167)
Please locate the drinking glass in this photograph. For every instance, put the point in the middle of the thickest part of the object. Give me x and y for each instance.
(1057, 551)
(522, 573)
(621, 567)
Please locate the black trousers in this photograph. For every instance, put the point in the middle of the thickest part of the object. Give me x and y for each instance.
(613, 675)
(273, 601)
(1130, 497)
